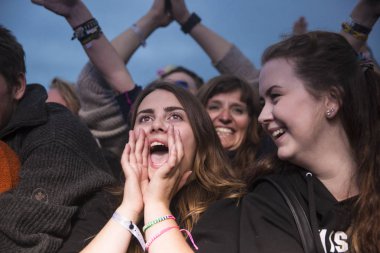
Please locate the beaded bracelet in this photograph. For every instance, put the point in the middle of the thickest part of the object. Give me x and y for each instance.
(155, 221)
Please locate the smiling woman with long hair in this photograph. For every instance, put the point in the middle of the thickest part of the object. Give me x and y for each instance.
(321, 108)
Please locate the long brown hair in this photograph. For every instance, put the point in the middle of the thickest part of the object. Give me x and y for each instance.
(325, 60)
(246, 153)
(213, 176)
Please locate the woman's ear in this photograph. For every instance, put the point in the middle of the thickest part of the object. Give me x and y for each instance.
(19, 89)
(332, 102)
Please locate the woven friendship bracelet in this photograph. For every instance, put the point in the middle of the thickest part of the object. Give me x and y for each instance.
(155, 221)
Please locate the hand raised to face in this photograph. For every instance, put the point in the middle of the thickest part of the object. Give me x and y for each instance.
(135, 166)
(170, 177)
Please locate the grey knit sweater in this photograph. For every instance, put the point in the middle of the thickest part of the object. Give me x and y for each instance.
(61, 166)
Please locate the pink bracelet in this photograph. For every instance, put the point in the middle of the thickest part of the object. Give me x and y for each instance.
(147, 245)
(190, 236)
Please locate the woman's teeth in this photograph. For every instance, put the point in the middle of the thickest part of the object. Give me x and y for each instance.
(278, 133)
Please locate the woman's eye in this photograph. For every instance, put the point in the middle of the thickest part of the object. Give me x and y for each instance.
(238, 110)
(262, 103)
(144, 118)
(175, 116)
(274, 97)
(212, 107)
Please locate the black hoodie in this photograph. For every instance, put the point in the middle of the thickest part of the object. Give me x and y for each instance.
(267, 225)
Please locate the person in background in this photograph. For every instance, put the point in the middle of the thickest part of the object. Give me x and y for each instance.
(181, 76)
(52, 165)
(229, 103)
(63, 92)
(300, 27)
(102, 101)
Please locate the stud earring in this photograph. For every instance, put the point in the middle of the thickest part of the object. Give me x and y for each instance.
(330, 112)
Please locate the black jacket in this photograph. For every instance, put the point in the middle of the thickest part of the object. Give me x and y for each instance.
(61, 168)
(267, 225)
(263, 223)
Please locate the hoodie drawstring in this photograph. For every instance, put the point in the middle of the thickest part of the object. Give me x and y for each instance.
(313, 213)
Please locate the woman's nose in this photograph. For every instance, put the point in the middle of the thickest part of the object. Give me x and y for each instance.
(265, 115)
(225, 116)
(159, 125)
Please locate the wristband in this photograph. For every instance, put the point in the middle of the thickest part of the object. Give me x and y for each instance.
(132, 228)
(357, 35)
(139, 34)
(190, 23)
(358, 27)
(357, 30)
(87, 31)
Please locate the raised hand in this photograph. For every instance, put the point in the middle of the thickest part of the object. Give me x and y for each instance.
(61, 7)
(179, 11)
(300, 26)
(159, 14)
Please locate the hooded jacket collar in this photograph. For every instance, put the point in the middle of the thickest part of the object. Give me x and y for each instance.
(30, 111)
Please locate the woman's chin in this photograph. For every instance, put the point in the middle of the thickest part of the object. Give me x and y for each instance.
(284, 154)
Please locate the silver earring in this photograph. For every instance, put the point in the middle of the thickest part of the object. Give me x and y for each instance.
(330, 112)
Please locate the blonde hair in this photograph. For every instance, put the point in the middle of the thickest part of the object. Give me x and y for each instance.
(67, 91)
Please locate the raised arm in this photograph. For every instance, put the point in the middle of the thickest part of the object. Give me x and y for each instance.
(224, 55)
(100, 80)
(97, 47)
(363, 17)
(129, 41)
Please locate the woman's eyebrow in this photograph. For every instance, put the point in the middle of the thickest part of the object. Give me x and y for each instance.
(146, 111)
(173, 108)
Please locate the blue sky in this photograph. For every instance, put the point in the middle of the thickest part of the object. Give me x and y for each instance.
(251, 25)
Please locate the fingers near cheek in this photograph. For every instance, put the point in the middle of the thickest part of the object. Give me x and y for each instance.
(145, 153)
(179, 145)
(132, 144)
(139, 146)
(132, 140)
(125, 157)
